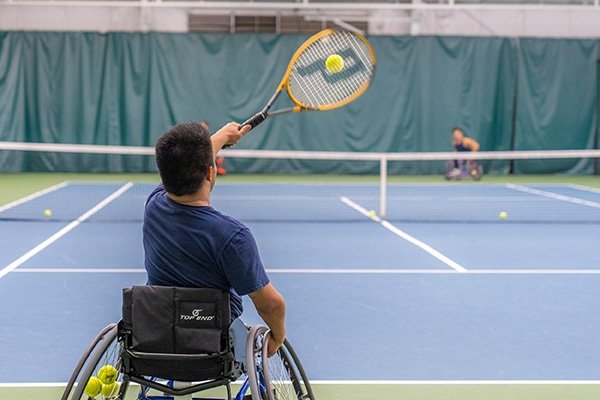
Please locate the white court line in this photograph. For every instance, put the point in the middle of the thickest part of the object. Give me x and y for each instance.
(456, 382)
(82, 270)
(33, 196)
(423, 246)
(336, 271)
(585, 188)
(438, 271)
(554, 196)
(19, 261)
(373, 382)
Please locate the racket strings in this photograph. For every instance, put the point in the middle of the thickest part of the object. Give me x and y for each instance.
(314, 92)
(313, 86)
(358, 79)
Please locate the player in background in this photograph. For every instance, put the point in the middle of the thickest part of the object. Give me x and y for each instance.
(462, 142)
(460, 169)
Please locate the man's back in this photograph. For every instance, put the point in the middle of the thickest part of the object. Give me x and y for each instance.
(197, 246)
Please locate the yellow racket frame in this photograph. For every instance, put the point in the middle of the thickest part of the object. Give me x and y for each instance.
(285, 82)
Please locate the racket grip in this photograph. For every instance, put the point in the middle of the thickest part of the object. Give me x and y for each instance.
(252, 121)
(255, 119)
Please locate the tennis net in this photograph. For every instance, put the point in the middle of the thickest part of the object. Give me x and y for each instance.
(304, 186)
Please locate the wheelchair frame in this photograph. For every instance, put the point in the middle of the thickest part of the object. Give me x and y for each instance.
(257, 380)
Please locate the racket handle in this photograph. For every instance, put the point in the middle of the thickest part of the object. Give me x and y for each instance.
(252, 121)
(255, 119)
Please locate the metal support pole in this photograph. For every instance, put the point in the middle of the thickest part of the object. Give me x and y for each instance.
(383, 187)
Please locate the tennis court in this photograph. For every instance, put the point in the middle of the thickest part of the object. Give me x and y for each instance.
(441, 299)
(434, 231)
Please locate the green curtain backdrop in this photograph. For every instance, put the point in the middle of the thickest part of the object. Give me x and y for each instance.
(128, 88)
(557, 101)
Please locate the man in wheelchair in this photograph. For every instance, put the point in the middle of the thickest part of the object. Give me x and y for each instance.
(187, 243)
(463, 169)
(184, 325)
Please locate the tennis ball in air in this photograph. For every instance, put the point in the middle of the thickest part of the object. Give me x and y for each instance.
(111, 390)
(93, 387)
(334, 63)
(107, 374)
(47, 212)
(503, 215)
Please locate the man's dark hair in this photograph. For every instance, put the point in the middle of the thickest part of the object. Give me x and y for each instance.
(456, 128)
(184, 156)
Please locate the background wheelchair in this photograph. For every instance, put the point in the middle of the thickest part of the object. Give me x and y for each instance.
(119, 357)
(463, 169)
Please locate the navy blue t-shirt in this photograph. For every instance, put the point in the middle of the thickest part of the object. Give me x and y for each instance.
(191, 246)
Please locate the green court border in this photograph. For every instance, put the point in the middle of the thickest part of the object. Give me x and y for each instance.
(402, 391)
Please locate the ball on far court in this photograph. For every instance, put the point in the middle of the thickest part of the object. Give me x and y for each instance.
(107, 374)
(334, 63)
(503, 215)
(372, 213)
(47, 212)
(93, 387)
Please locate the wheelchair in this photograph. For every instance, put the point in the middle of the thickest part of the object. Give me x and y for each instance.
(177, 342)
(463, 169)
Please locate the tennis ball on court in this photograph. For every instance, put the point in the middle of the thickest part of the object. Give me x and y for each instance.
(93, 387)
(47, 212)
(372, 213)
(334, 63)
(503, 215)
(111, 390)
(107, 374)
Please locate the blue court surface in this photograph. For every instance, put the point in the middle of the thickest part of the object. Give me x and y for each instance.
(440, 288)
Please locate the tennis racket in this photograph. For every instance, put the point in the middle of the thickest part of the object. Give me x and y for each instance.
(329, 70)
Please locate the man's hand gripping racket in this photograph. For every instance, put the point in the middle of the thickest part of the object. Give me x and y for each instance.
(329, 70)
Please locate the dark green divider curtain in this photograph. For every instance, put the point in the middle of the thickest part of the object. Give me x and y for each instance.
(128, 88)
(557, 101)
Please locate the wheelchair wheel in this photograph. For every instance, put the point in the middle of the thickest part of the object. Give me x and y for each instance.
(102, 370)
(284, 375)
(82, 361)
(280, 377)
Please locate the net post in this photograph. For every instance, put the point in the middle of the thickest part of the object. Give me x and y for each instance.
(383, 186)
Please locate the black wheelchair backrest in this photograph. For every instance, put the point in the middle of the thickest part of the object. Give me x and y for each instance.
(176, 333)
(176, 320)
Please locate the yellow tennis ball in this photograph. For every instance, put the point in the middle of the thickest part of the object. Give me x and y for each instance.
(47, 212)
(503, 215)
(334, 63)
(93, 387)
(111, 390)
(107, 374)
(372, 213)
